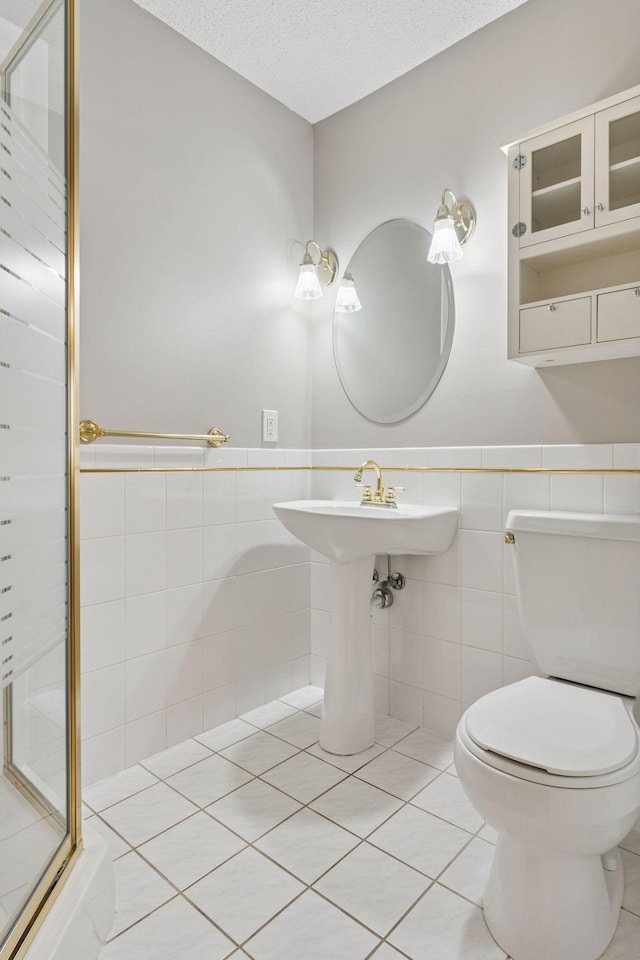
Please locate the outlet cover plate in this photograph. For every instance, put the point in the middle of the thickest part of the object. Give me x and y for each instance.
(269, 426)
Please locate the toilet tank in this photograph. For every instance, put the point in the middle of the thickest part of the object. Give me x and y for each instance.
(578, 587)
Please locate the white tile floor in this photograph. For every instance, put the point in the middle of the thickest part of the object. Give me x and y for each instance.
(251, 836)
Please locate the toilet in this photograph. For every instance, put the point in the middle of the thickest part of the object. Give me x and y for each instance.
(553, 763)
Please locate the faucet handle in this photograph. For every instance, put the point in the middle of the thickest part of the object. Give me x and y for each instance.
(367, 496)
(391, 494)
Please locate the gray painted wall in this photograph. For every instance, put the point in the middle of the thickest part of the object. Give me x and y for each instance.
(196, 195)
(442, 124)
(197, 190)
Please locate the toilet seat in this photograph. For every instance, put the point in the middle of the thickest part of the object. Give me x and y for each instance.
(544, 730)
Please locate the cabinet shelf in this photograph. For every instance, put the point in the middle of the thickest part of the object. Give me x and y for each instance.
(556, 187)
(624, 183)
(594, 292)
(629, 150)
(556, 204)
(556, 164)
(624, 138)
(610, 240)
(625, 165)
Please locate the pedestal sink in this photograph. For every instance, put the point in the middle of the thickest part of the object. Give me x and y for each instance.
(350, 535)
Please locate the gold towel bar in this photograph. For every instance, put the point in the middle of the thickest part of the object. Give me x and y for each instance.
(90, 431)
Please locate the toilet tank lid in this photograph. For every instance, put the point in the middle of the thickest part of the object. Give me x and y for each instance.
(559, 727)
(605, 526)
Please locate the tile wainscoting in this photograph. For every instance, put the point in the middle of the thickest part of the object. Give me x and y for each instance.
(197, 606)
(194, 599)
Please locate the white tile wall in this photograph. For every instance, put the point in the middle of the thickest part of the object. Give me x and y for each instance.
(195, 600)
(198, 606)
(145, 502)
(103, 632)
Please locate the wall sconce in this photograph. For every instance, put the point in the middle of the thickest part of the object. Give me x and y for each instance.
(313, 274)
(453, 226)
(347, 300)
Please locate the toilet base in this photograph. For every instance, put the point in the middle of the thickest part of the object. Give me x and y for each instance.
(541, 905)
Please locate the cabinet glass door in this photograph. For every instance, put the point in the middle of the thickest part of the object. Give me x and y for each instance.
(618, 163)
(556, 183)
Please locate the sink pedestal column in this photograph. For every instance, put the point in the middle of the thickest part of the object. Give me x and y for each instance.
(347, 714)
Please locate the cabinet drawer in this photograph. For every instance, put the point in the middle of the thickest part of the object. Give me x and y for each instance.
(563, 324)
(619, 315)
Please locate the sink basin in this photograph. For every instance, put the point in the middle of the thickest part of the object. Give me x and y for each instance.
(344, 530)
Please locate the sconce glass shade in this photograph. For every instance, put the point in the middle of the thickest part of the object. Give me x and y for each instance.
(347, 300)
(308, 285)
(453, 226)
(313, 274)
(445, 246)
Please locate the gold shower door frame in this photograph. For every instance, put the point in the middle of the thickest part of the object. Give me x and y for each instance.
(45, 893)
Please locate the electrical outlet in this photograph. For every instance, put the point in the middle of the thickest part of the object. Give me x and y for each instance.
(269, 426)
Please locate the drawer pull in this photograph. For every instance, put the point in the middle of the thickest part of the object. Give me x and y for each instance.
(636, 292)
(552, 307)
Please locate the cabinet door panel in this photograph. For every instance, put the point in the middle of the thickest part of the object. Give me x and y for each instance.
(563, 324)
(556, 183)
(617, 146)
(619, 315)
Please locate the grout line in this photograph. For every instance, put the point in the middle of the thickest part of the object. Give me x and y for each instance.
(136, 922)
(634, 853)
(135, 846)
(118, 835)
(275, 915)
(122, 800)
(186, 767)
(401, 953)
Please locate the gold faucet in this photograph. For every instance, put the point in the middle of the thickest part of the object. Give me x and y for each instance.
(367, 497)
(378, 497)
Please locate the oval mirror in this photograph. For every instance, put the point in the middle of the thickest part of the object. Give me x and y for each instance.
(391, 353)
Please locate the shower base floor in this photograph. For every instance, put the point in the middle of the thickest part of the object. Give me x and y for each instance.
(250, 841)
(28, 840)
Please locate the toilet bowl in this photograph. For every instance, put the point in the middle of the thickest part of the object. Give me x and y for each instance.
(556, 882)
(553, 763)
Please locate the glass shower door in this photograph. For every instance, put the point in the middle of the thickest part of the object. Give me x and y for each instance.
(37, 814)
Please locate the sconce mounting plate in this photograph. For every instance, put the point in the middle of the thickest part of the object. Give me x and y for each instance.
(327, 268)
(466, 222)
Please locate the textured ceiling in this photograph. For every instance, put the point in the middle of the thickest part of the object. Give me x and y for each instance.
(320, 56)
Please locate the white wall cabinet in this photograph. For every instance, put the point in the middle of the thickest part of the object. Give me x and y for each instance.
(574, 243)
